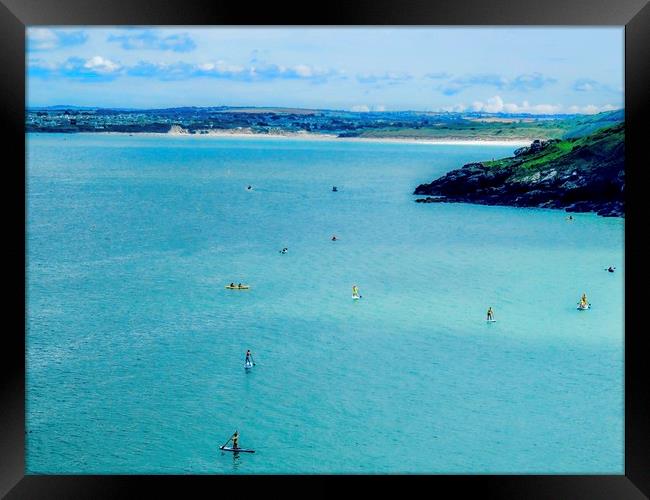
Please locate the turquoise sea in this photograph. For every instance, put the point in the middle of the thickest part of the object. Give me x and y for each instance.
(135, 350)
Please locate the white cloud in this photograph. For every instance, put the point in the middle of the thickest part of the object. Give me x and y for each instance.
(497, 105)
(303, 70)
(389, 77)
(591, 109)
(43, 38)
(40, 39)
(494, 105)
(101, 65)
(220, 67)
(364, 108)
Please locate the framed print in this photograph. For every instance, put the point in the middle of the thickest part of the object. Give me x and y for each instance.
(375, 240)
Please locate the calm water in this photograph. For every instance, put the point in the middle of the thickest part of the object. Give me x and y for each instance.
(135, 349)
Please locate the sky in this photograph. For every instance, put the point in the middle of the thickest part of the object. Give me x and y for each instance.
(491, 69)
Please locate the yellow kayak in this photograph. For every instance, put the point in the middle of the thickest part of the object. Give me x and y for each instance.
(243, 287)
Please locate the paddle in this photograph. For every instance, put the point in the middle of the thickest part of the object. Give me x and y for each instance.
(224, 444)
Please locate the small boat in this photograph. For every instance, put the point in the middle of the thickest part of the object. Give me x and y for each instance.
(238, 287)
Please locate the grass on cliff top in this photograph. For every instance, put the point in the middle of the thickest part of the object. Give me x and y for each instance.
(603, 140)
(467, 129)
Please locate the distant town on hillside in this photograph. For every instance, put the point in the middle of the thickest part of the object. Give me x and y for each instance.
(266, 120)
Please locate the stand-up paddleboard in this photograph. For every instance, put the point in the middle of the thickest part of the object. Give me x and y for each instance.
(248, 365)
(236, 450)
(491, 320)
(581, 308)
(356, 297)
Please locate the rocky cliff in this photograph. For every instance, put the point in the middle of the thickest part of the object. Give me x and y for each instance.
(584, 174)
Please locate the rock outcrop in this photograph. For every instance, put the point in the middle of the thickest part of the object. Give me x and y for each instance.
(578, 175)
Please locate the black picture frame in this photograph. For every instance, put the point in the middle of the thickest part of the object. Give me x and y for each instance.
(16, 15)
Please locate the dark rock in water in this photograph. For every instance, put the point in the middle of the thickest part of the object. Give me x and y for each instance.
(429, 199)
(580, 175)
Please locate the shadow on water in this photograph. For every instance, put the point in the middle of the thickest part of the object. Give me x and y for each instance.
(236, 461)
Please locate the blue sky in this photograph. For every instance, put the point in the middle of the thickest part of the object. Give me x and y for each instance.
(533, 70)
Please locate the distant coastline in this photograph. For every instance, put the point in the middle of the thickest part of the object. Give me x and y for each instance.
(248, 134)
(401, 127)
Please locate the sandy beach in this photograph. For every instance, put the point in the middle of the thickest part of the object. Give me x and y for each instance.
(247, 133)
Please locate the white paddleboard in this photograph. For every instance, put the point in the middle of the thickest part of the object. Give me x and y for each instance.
(491, 320)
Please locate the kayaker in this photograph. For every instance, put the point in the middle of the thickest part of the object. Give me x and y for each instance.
(334, 238)
(232, 285)
(249, 188)
(611, 269)
(239, 285)
(490, 314)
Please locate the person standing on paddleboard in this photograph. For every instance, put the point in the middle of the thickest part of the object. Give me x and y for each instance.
(249, 357)
(235, 440)
(355, 291)
(490, 314)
